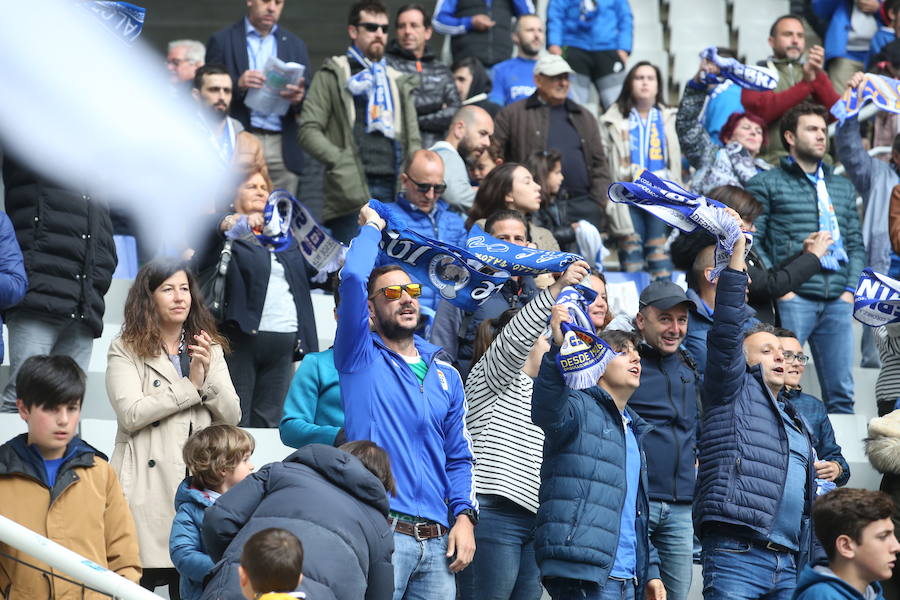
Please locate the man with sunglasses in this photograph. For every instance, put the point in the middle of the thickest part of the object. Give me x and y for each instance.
(359, 119)
(398, 393)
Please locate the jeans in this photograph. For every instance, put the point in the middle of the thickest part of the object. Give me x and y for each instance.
(734, 569)
(645, 249)
(828, 325)
(575, 589)
(30, 335)
(504, 567)
(382, 187)
(672, 534)
(422, 569)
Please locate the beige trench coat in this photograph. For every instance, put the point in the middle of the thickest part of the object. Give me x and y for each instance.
(156, 411)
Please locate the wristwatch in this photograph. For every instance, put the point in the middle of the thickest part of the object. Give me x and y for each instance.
(473, 516)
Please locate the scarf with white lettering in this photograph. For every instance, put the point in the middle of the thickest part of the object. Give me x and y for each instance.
(583, 356)
(877, 299)
(373, 81)
(749, 77)
(123, 19)
(836, 254)
(883, 91)
(648, 140)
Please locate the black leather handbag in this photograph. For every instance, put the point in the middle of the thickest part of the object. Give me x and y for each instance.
(212, 284)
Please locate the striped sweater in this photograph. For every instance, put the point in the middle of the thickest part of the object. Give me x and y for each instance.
(508, 447)
(887, 387)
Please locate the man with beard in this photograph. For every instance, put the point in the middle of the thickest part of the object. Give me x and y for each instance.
(514, 78)
(213, 91)
(359, 119)
(800, 197)
(469, 136)
(397, 393)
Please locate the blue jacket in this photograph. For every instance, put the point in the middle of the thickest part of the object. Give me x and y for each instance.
(815, 585)
(513, 80)
(313, 413)
(185, 542)
(442, 224)
(421, 426)
(583, 481)
(837, 14)
(813, 410)
(13, 281)
(668, 400)
(743, 445)
(609, 30)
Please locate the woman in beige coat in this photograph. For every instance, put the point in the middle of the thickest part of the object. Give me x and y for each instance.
(166, 377)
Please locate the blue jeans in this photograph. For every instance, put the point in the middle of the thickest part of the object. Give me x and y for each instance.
(736, 570)
(672, 534)
(504, 567)
(421, 569)
(575, 589)
(828, 326)
(645, 249)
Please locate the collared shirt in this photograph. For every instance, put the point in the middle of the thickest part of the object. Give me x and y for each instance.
(625, 564)
(790, 511)
(259, 49)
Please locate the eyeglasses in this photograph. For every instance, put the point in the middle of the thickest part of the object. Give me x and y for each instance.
(393, 292)
(373, 27)
(177, 62)
(799, 357)
(424, 188)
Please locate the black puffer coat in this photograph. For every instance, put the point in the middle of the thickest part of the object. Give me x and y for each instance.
(67, 242)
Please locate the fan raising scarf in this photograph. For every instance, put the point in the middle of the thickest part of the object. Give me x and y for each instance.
(583, 356)
(684, 211)
(121, 18)
(748, 77)
(877, 299)
(373, 81)
(883, 91)
(648, 140)
(828, 222)
(465, 277)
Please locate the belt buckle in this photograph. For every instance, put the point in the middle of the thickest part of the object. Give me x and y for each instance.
(775, 547)
(416, 533)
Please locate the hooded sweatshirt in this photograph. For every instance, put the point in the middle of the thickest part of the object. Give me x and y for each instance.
(820, 583)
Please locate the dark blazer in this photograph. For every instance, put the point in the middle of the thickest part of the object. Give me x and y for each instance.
(229, 47)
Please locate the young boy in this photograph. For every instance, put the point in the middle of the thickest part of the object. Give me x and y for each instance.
(271, 565)
(218, 458)
(60, 487)
(856, 529)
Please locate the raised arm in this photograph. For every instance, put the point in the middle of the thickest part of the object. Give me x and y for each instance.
(696, 145)
(860, 167)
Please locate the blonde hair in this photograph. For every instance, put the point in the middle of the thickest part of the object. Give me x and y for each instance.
(215, 450)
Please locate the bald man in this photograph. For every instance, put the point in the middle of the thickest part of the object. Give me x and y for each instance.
(469, 136)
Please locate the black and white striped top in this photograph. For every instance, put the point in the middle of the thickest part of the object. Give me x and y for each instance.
(508, 446)
(887, 387)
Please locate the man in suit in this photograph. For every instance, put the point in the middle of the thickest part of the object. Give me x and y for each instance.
(244, 49)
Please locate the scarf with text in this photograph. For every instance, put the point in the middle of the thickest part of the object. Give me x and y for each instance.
(836, 254)
(749, 77)
(583, 356)
(123, 19)
(648, 140)
(883, 91)
(877, 299)
(373, 81)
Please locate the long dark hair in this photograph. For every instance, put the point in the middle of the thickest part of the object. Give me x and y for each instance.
(492, 192)
(140, 332)
(541, 163)
(487, 332)
(625, 102)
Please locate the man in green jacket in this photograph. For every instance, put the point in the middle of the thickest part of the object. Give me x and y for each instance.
(800, 197)
(359, 119)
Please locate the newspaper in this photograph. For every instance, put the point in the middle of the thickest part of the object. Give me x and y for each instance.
(278, 74)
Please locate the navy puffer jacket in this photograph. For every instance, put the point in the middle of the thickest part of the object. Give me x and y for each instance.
(743, 445)
(583, 481)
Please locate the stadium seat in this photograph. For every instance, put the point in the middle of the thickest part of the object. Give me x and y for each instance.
(748, 11)
(648, 37)
(696, 12)
(645, 11)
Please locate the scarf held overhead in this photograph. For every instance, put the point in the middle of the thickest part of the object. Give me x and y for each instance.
(583, 356)
(877, 299)
(373, 81)
(883, 91)
(749, 77)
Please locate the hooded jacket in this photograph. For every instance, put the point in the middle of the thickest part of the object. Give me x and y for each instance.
(185, 544)
(85, 511)
(820, 583)
(331, 502)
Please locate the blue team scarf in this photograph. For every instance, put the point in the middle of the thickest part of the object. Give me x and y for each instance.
(121, 18)
(373, 81)
(749, 77)
(583, 356)
(464, 277)
(648, 140)
(883, 91)
(683, 210)
(877, 299)
(836, 254)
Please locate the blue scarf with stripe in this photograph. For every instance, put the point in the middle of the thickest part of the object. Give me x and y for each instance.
(883, 91)
(583, 356)
(373, 81)
(749, 77)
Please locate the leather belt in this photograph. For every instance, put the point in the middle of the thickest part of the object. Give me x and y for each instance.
(261, 131)
(421, 530)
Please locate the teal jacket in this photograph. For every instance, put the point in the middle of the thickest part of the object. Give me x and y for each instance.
(313, 413)
(791, 212)
(815, 583)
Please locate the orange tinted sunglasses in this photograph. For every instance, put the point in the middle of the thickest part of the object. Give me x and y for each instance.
(392, 292)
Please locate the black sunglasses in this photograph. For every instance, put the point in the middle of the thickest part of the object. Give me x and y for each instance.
(424, 188)
(373, 27)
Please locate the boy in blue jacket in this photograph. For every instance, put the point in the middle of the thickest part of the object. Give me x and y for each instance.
(218, 458)
(856, 529)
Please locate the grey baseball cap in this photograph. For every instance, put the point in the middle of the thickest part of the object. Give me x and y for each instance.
(664, 295)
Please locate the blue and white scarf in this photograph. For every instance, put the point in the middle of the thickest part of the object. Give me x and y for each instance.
(683, 210)
(583, 356)
(373, 81)
(836, 254)
(121, 18)
(877, 299)
(648, 140)
(587, 12)
(465, 277)
(883, 91)
(749, 77)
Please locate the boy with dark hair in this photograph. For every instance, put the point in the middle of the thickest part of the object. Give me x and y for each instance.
(856, 529)
(271, 565)
(63, 488)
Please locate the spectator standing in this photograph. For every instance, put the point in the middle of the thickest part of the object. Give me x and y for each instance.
(166, 376)
(244, 49)
(549, 119)
(887, 386)
(886, 33)
(480, 29)
(800, 197)
(513, 79)
(436, 98)
(468, 138)
(183, 59)
(595, 39)
(13, 281)
(474, 84)
(882, 445)
(398, 392)
(363, 145)
(851, 26)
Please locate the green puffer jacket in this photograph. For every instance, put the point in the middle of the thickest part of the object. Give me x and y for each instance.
(791, 213)
(326, 132)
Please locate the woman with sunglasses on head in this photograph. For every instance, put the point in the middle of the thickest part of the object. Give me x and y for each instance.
(268, 316)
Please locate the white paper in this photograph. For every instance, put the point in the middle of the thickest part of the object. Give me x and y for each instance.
(278, 74)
